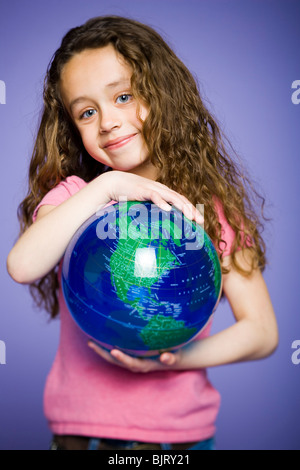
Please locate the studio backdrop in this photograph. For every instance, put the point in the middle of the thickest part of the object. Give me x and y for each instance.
(245, 55)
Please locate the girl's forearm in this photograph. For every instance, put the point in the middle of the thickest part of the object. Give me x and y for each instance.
(243, 341)
(41, 247)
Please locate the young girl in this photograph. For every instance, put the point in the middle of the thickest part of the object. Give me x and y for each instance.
(123, 117)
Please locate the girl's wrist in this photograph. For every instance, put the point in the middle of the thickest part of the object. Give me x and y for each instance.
(106, 182)
(101, 190)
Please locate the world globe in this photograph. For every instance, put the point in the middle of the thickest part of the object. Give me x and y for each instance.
(141, 279)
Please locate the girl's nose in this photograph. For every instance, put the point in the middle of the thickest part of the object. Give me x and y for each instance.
(109, 119)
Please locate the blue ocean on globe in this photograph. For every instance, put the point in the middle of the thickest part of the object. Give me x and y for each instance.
(141, 279)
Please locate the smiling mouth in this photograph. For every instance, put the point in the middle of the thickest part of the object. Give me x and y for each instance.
(117, 143)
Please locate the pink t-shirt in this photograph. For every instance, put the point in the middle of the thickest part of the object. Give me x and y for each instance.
(85, 395)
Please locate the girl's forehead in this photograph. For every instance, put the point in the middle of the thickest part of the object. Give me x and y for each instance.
(103, 67)
(102, 57)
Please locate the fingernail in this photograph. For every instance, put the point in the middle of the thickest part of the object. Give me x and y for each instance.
(115, 354)
(166, 358)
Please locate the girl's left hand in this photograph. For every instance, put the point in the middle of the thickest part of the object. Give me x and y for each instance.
(166, 361)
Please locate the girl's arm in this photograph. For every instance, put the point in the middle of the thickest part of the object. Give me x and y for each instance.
(255, 333)
(43, 244)
(253, 336)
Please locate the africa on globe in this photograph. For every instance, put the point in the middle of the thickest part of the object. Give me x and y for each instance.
(141, 279)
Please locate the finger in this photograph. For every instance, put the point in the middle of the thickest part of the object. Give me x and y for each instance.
(194, 211)
(190, 211)
(181, 203)
(195, 214)
(135, 364)
(132, 363)
(120, 356)
(167, 359)
(101, 352)
(160, 201)
(166, 198)
(114, 357)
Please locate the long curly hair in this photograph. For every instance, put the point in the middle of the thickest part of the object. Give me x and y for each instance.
(183, 139)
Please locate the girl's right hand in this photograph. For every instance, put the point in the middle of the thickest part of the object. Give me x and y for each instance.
(131, 187)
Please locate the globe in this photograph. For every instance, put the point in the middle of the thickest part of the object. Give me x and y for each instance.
(141, 279)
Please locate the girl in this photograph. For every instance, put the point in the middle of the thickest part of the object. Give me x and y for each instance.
(123, 117)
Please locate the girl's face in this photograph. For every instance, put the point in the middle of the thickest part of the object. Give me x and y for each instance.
(96, 90)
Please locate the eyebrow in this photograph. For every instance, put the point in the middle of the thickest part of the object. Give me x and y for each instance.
(115, 84)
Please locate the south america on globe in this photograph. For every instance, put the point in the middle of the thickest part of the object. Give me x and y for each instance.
(141, 279)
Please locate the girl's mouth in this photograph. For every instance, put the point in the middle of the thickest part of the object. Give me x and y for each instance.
(117, 143)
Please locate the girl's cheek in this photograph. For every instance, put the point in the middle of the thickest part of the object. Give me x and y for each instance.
(88, 139)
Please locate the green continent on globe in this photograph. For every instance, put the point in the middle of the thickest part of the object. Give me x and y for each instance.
(164, 332)
(124, 269)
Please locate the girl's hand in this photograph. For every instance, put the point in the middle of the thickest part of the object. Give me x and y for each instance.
(166, 361)
(122, 185)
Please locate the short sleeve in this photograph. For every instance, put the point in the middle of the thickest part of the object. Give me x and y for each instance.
(65, 189)
(227, 232)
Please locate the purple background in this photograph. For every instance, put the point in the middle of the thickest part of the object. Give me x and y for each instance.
(246, 56)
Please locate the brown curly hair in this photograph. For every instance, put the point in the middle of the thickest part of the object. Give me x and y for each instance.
(183, 139)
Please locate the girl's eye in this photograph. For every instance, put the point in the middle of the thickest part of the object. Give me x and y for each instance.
(124, 98)
(87, 114)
